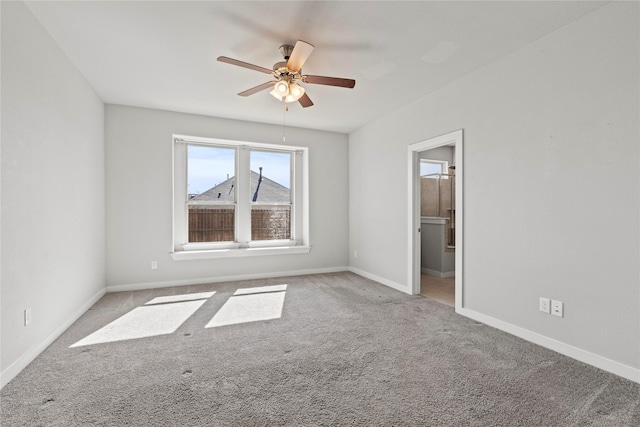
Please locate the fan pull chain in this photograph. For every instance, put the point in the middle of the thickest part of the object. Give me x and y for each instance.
(284, 123)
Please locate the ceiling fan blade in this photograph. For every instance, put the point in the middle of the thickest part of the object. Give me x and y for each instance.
(305, 101)
(299, 55)
(257, 89)
(244, 64)
(329, 81)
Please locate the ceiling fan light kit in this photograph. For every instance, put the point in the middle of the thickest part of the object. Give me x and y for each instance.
(287, 92)
(287, 73)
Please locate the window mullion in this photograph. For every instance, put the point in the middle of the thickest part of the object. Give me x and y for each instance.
(243, 197)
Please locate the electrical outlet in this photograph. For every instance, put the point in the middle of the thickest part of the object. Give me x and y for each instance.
(154, 265)
(27, 316)
(355, 254)
(557, 308)
(545, 305)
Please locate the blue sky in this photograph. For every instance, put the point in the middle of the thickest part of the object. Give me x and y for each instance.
(209, 166)
(427, 168)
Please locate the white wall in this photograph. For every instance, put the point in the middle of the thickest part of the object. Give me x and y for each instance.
(139, 206)
(551, 186)
(53, 227)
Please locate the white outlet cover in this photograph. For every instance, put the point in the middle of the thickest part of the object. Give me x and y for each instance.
(545, 305)
(557, 308)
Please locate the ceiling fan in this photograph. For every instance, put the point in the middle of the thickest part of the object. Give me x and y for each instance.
(288, 73)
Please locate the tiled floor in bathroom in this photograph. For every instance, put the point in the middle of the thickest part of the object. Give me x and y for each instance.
(441, 289)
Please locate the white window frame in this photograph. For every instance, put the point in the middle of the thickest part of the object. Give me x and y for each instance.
(242, 244)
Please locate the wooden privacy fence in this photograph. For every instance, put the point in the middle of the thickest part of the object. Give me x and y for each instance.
(271, 223)
(211, 224)
(215, 224)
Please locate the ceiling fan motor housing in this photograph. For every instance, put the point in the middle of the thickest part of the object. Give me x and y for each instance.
(281, 72)
(280, 69)
(286, 50)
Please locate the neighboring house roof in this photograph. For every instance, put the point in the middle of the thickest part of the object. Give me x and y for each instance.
(269, 191)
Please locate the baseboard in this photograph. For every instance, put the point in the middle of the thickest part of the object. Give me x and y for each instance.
(382, 280)
(28, 357)
(437, 273)
(219, 279)
(584, 356)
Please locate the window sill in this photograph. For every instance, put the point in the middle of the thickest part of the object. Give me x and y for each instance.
(236, 253)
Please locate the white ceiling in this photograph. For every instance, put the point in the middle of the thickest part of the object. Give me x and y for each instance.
(162, 54)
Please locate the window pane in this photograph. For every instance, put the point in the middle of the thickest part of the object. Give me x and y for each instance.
(211, 178)
(211, 223)
(429, 168)
(271, 195)
(211, 173)
(270, 177)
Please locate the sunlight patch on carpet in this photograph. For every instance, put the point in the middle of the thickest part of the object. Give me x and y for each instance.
(149, 320)
(251, 305)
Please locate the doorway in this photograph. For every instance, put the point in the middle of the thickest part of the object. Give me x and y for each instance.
(415, 229)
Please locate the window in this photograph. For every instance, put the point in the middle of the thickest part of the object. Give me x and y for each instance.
(211, 198)
(236, 198)
(430, 168)
(270, 196)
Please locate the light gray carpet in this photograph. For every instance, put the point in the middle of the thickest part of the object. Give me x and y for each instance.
(346, 351)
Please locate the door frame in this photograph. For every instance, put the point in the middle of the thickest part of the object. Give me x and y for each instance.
(414, 225)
